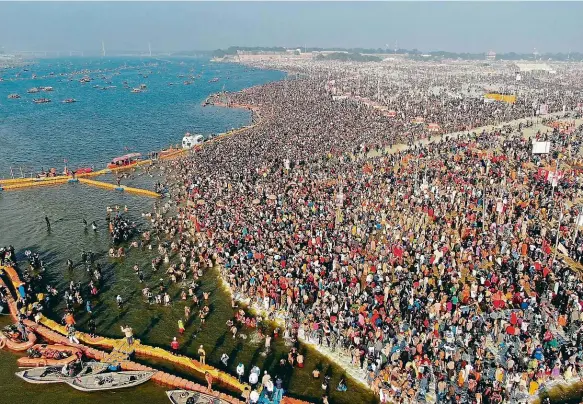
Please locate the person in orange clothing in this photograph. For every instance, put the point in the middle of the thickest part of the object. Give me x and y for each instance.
(69, 319)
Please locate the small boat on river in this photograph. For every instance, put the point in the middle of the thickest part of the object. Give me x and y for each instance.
(192, 397)
(125, 161)
(110, 381)
(53, 374)
(12, 339)
(41, 355)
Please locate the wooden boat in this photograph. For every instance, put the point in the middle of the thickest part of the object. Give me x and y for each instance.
(192, 397)
(52, 374)
(110, 381)
(10, 341)
(41, 355)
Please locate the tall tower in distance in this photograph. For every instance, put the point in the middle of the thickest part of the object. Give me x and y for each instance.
(491, 55)
(102, 48)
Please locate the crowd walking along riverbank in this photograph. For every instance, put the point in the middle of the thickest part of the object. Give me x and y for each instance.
(435, 252)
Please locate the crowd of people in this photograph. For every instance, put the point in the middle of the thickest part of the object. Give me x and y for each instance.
(433, 269)
(447, 269)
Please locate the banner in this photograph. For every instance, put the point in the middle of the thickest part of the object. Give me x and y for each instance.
(543, 109)
(419, 119)
(433, 127)
(554, 176)
(511, 99)
(392, 113)
(541, 147)
(518, 77)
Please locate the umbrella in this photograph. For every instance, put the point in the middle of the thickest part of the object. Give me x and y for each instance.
(255, 201)
(220, 204)
(272, 197)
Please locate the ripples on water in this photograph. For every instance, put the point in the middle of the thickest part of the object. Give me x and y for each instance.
(103, 124)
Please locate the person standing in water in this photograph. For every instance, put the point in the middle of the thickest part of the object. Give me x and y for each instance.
(48, 223)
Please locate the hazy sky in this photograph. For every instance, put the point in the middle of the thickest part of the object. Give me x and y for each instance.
(453, 26)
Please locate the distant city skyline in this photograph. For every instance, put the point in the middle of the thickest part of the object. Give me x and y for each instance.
(474, 27)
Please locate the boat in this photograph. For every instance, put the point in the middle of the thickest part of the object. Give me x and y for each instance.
(192, 397)
(187, 83)
(49, 355)
(46, 88)
(142, 86)
(83, 170)
(214, 80)
(33, 90)
(41, 100)
(127, 160)
(69, 101)
(110, 381)
(189, 141)
(136, 90)
(12, 339)
(13, 96)
(52, 374)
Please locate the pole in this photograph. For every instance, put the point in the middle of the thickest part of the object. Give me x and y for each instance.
(558, 232)
(577, 224)
(555, 179)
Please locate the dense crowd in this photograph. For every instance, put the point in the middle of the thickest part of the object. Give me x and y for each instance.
(446, 269)
(432, 268)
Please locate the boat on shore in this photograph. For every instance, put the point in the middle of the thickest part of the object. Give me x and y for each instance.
(192, 397)
(189, 141)
(53, 374)
(110, 381)
(41, 100)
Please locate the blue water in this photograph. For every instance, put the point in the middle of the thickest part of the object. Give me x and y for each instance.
(103, 124)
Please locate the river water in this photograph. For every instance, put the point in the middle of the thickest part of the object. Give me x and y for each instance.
(101, 125)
